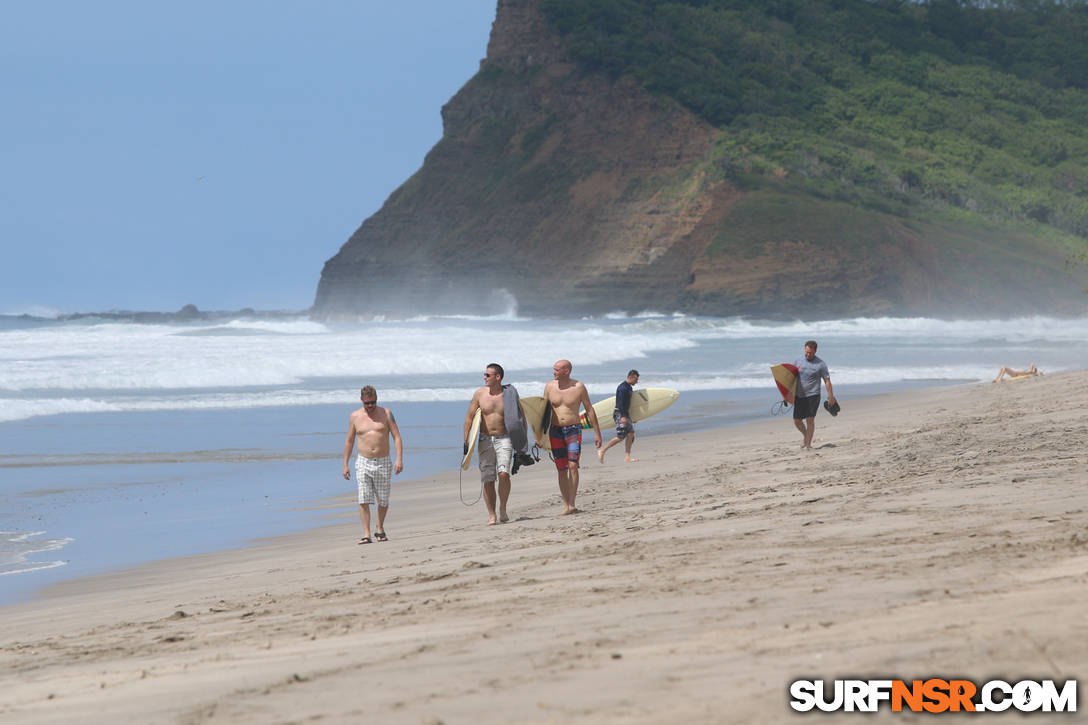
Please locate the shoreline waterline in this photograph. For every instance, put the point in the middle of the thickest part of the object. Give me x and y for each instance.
(293, 511)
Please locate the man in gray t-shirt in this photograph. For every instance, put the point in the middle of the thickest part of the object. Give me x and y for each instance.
(810, 371)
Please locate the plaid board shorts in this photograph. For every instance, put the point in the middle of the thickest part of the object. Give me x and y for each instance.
(496, 456)
(375, 479)
(566, 442)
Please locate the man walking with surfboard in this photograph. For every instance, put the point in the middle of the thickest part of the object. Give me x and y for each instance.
(566, 397)
(810, 371)
(625, 427)
(501, 422)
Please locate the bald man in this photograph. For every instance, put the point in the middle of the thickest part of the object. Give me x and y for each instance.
(567, 396)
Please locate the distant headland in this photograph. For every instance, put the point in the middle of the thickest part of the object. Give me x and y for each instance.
(816, 159)
(188, 313)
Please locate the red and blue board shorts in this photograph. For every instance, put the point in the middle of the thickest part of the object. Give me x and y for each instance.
(566, 443)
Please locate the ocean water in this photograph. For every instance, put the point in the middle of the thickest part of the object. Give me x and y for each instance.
(122, 442)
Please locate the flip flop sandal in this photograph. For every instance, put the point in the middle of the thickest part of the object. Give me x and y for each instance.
(380, 536)
(365, 540)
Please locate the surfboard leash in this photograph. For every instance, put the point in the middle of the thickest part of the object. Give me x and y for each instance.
(461, 492)
(780, 407)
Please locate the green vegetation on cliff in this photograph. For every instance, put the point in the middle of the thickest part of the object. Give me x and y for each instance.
(976, 112)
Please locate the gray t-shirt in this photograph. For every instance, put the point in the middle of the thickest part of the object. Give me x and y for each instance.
(809, 375)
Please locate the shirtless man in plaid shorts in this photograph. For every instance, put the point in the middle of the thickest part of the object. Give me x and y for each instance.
(567, 396)
(369, 428)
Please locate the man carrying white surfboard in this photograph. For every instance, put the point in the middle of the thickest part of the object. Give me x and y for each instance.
(810, 371)
(496, 445)
(566, 397)
(625, 427)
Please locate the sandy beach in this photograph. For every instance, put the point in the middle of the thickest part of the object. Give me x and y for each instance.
(933, 533)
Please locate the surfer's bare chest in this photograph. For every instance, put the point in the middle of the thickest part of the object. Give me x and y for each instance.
(567, 398)
(492, 411)
(491, 404)
(365, 425)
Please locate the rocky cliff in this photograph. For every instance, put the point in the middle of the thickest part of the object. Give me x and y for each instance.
(579, 193)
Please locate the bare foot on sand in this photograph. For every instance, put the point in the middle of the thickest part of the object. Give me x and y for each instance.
(570, 510)
(600, 455)
(491, 521)
(503, 518)
(628, 459)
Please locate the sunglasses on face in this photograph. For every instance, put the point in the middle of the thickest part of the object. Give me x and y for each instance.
(370, 402)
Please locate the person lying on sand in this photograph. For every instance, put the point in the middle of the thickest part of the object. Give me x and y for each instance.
(1012, 373)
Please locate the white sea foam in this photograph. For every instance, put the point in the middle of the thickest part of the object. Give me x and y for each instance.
(844, 375)
(1014, 330)
(150, 357)
(15, 409)
(16, 548)
(274, 327)
(108, 366)
(20, 409)
(645, 314)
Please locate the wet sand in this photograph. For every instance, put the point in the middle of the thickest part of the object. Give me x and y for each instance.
(941, 532)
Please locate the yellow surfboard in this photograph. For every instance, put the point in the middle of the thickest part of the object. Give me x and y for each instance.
(473, 436)
(644, 403)
(538, 415)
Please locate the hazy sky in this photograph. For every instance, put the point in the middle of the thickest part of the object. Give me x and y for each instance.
(214, 153)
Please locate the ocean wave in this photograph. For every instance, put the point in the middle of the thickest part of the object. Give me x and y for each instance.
(759, 376)
(259, 327)
(22, 409)
(645, 314)
(28, 566)
(16, 548)
(92, 365)
(508, 315)
(746, 376)
(1016, 330)
(155, 357)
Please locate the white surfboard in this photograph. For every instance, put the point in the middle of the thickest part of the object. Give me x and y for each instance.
(473, 436)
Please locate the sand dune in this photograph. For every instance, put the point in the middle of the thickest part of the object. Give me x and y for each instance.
(935, 533)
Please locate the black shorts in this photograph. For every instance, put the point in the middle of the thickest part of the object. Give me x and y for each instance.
(806, 407)
(622, 429)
